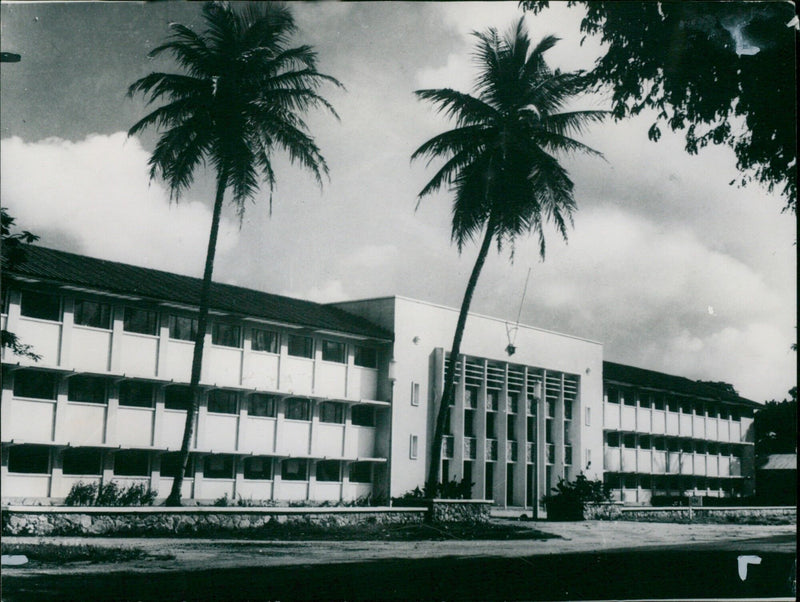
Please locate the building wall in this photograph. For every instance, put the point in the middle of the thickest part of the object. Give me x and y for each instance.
(423, 335)
(44, 429)
(667, 444)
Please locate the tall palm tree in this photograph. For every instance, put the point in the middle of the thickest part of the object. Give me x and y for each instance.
(500, 163)
(240, 97)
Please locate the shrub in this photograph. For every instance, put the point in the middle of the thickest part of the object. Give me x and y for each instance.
(568, 499)
(81, 494)
(110, 494)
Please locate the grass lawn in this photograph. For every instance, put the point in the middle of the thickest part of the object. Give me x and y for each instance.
(44, 553)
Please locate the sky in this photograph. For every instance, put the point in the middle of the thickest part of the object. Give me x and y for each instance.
(667, 265)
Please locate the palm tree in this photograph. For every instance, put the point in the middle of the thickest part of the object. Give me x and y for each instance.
(240, 97)
(500, 163)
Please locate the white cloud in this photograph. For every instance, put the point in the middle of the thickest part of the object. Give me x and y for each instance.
(331, 291)
(373, 256)
(95, 194)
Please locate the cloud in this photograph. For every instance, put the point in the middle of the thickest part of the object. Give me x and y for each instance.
(96, 195)
(329, 292)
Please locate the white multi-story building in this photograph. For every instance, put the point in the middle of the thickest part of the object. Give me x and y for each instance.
(305, 401)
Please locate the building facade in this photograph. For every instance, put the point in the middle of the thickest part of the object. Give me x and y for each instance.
(335, 402)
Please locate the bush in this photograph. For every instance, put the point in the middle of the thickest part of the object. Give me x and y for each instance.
(451, 490)
(110, 494)
(82, 494)
(568, 499)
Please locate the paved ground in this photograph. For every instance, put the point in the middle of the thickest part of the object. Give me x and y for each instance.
(575, 537)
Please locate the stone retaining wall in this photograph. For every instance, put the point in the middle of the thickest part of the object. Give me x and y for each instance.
(210, 520)
(51, 520)
(731, 514)
(459, 511)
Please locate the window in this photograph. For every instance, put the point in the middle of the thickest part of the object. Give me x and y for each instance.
(40, 306)
(140, 321)
(366, 357)
(513, 402)
(629, 399)
(490, 426)
(360, 472)
(34, 384)
(132, 464)
(567, 438)
(567, 409)
(263, 405)
(300, 346)
(177, 398)
(658, 403)
(90, 389)
(92, 313)
(332, 412)
(298, 409)
(613, 396)
(182, 328)
(329, 470)
(362, 416)
(294, 470)
(471, 398)
(550, 406)
(414, 394)
(469, 423)
(491, 400)
(226, 335)
(568, 455)
(644, 442)
(612, 439)
(218, 467)
(265, 340)
(258, 468)
(136, 394)
(333, 351)
(169, 465)
(511, 432)
(413, 445)
(588, 416)
(79, 461)
(31, 459)
(531, 428)
(223, 402)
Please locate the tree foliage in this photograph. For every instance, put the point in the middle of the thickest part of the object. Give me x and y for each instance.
(501, 161)
(705, 68)
(12, 253)
(241, 96)
(775, 426)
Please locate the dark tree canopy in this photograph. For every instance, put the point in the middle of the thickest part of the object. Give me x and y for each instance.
(776, 426)
(706, 68)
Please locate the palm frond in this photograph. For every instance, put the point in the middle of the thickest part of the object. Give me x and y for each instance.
(464, 108)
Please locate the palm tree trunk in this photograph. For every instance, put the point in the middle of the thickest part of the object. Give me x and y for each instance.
(174, 498)
(450, 374)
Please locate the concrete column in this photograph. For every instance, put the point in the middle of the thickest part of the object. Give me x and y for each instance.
(56, 472)
(5, 405)
(283, 354)
(343, 495)
(202, 416)
(317, 343)
(65, 347)
(347, 431)
(457, 426)
(197, 485)
(244, 402)
(108, 467)
(349, 390)
(311, 491)
(558, 434)
(238, 484)
(479, 468)
(155, 471)
(204, 372)
(158, 417)
(60, 419)
(500, 476)
(118, 312)
(520, 427)
(276, 479)
(4, 463)
(163, 344)
(112, 414)
(312, 442)
(279, 418)
(12, 321)
(542, 486)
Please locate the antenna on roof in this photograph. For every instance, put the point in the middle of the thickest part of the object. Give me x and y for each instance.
(511, 331)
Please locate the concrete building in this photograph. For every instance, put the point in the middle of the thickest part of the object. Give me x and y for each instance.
(332, 402)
